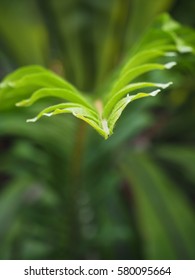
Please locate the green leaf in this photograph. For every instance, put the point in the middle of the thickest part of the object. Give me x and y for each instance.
(17, 74)
(126, 90)
(135, 72)
(34, 76)
(10, 202)
(165, 217)
(182, 157)
(120, 106)
(79, 111)
(55, 92)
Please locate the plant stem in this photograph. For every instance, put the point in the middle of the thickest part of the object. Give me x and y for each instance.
(76, 184)
(78, 152)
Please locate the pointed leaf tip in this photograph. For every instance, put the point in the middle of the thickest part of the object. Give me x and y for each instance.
(32, 120)
(155, 92)
(48, 114)
(185, 49)
(170, 65)
(164, 86)
(170, 54)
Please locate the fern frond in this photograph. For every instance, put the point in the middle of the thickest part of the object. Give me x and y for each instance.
(34, 83)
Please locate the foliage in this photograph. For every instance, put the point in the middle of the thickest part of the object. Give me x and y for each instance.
(102, 114)
(65, 193)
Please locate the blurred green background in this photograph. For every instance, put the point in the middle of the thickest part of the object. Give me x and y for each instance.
(65, 193)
